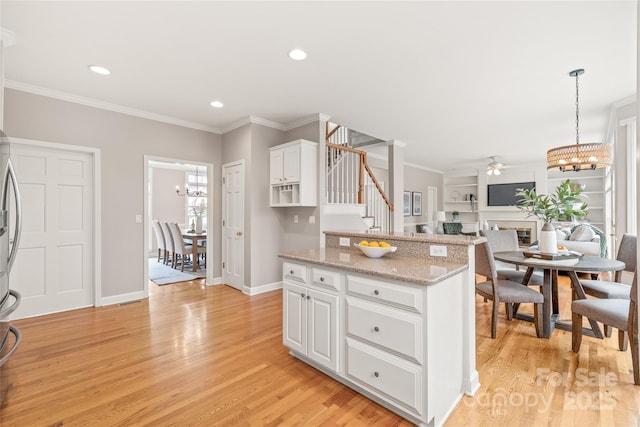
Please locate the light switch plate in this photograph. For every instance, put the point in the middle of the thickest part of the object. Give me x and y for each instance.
(437, 250)
(138, 219)
(345, 241)
(295, 219)
(312, 219)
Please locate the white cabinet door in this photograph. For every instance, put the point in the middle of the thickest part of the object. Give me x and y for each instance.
(322, 345)
(291, 164)
(276, 159)
(294, 317)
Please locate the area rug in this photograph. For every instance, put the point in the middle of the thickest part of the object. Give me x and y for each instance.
(162, 274)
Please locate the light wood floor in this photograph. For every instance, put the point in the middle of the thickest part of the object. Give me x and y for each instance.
(202, 356)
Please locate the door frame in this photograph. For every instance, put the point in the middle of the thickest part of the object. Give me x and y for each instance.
(240, 162)
(97, 205)
(209, 280)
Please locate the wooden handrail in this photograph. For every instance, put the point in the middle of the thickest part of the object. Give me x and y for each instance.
(330, 134)
(363, 163)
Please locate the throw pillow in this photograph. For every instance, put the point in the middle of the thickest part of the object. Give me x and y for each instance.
(561, 235)
(426, 229)
(582, 234)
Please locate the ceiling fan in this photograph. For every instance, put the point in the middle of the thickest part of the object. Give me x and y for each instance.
(494, 167)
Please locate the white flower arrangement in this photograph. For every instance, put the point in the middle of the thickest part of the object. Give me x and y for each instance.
(199, 207)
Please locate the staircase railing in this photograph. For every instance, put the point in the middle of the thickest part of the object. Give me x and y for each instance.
(349, 179)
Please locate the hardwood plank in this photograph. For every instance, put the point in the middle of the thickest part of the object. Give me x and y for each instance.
(198, 355)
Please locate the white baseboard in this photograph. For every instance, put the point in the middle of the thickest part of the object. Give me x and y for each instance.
(119, 299)
(215, 281)
(255, 290)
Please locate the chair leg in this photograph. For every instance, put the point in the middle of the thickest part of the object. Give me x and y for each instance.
(607, 331)
(632, 330)
(537, 317)
(622, 340)
(494, 318)
(184, 258)
(508, 307)
(576, 332)
(159, 251)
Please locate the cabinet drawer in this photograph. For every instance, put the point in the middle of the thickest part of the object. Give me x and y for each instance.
(406, 297)
(295, 272)
(396, 380)
(325, 278)
(392, 329)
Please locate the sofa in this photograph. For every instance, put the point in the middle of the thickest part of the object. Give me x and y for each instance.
(584, 238)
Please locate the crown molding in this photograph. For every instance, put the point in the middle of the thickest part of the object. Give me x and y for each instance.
(396, 143)
(90, 102)
(413, 165)
(8, 37)
(265, 122)
(319, 117)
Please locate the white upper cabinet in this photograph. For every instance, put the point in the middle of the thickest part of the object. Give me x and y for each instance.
(293, 173)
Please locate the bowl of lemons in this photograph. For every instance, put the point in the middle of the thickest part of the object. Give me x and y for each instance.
(374, 249)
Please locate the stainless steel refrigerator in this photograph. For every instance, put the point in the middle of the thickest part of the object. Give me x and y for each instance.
(10, 225)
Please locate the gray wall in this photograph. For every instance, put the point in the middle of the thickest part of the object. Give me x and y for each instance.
(123, 141)
(304, 235)
(416, 179)
(165, 204)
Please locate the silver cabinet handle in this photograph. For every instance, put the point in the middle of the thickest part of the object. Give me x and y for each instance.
(10, 174)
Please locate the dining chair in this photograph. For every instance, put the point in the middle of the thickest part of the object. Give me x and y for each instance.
(616, 289)
(618, 312)
(168, 243)
(506, 291)
(162, 247)
(182, 251)
(507, 240)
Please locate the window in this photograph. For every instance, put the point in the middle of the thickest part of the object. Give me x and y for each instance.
(196, 202)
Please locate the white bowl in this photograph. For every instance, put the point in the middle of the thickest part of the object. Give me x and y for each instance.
(376, 252)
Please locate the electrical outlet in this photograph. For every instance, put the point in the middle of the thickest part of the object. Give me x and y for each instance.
(312, 219)
(345, 241)
(437, 250)
(295, 219)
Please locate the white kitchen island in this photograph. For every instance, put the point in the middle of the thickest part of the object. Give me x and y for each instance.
(398, 329)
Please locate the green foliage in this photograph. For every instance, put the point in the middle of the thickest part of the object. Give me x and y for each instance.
(455, 213)
(565, 203)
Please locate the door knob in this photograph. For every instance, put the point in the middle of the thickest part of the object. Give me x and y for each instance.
(238, 233)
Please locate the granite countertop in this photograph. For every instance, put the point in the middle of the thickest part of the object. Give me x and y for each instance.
(391, 266)
(414, 237)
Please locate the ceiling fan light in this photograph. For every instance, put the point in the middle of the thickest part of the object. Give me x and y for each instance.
(496, 172)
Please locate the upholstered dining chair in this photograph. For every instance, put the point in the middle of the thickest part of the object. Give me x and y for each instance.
(506, 291)
(181, 249)
(168, 237)
(616, 289)
(507, 240)
(619, 313)
(162, 247)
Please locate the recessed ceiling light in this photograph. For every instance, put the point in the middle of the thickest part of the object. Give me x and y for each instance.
(217, 104)
(99, 70)
(297, 54)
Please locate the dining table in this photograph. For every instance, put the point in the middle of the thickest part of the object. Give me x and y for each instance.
(195, 238)
(572, 266)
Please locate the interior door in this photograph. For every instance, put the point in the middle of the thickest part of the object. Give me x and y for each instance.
(54, 266)
(233, 224)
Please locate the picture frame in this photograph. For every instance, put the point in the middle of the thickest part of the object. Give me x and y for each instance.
(407, 203)
(416, 203)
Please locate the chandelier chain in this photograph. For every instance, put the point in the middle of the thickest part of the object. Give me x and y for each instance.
(577, 113)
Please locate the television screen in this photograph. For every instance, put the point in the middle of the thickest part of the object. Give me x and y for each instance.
(505, 194)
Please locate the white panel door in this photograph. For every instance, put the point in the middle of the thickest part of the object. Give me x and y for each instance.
(233, 225)
(53, 270)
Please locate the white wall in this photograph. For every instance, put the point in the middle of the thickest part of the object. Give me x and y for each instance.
(165, 204)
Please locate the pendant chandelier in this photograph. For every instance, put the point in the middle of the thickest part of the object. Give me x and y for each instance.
(192, 193)
(578, 156)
